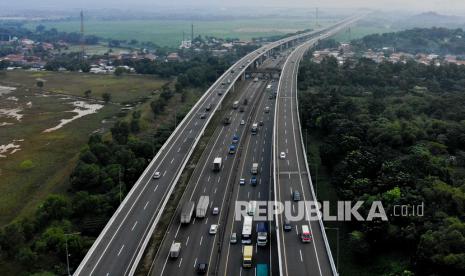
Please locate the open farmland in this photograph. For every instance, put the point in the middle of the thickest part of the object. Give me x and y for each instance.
(42, 131)
(169, 32)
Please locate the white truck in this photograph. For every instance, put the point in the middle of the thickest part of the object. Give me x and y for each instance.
(175, 250)
(217, 163)
(235, 104)
(246, 237)
(202, 207)
(254, 169)
(254, 128)
(187, 211)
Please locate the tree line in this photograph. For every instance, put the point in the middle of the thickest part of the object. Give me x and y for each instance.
(394, 133)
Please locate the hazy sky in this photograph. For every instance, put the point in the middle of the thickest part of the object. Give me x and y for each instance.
(452, 6)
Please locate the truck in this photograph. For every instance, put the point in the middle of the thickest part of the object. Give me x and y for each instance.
(254, 128)
(262, 233)
(202, 207)
(175, 249)
(247, 254)
(246, 237)
(235, 104)
(252, 208)
(254, 169)
(187, 211)
(217, 163)
(255, 80)
(226, 120)
(232, 149)
(235, 139)
(262, 270)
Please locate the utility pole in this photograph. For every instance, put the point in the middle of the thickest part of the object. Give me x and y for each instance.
(192, 32)
(82, 34)
(66, 247)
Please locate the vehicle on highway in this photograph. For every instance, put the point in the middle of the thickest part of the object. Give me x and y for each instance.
(255, 80)
(267, 109)
(187, 211)
(251, 208)
(253, 181)
(223, 83)
(233, 238)
(208, 107)
(254, 169)
(202, 207)
(287, 225)
(245, 101)
(305, 236)
(242, 122)
(235, 104)
(156, 175)
(220, 92)
(232, 149)
(235, 139)
(246, 237)
(215, 211)
(201, 268)
(282, 155)
(247, 256)
(232, 71)
(296, 196)
(213, 229)
(260, 123)
(254, 128)
(175, 249)
(202, 116)
(262, 233)
(226, 120)
(229, 81)
(242, 181)
(241, 109)
(217, 164)
(262, 270)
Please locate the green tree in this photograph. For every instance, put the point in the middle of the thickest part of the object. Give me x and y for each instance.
(106, 97)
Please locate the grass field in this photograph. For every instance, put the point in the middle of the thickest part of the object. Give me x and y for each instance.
(45, 160)
(359, 31)
(169, 32)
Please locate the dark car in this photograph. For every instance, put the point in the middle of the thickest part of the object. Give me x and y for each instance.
(296, 196)
(202, 268)
(253, 181)
(287, 225)
(203, 115)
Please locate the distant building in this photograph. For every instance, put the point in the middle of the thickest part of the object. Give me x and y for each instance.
(173, 57)
(185, 44)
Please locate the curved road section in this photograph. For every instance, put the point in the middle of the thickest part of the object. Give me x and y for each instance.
(120, 245)
(291, 176)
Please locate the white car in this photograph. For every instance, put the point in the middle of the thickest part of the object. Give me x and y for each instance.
(242, 122)
(156, 175)
(215, 211)
(282, 155)
(213, 229)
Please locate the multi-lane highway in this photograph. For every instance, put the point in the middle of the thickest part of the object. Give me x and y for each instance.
(196, 242)
(291, 175)
(120, 246)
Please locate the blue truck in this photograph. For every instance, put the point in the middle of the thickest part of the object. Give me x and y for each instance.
(262, 233)
(235, 139)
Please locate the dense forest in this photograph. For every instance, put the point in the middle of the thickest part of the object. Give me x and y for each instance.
(432, 40)
(394, 133)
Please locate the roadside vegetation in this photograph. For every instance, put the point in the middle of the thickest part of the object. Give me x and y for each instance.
(392, 133)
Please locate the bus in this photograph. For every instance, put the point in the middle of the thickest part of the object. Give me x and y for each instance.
(246, 237)
(247, 256)
(262, 270)
(305, 236)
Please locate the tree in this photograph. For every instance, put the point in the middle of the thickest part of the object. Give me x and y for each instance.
(106, 97)
(120, 132)
(87, 93)
(119, 71)
(40, 83)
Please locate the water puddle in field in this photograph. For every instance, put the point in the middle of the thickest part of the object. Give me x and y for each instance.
(82, 109)
(6, 89)
(10, 148)
(11, 113)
